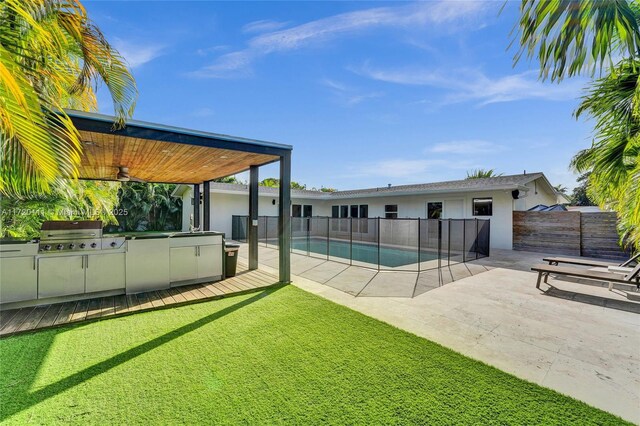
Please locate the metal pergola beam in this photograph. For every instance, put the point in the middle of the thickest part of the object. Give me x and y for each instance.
(142, 130)
(284, 219)
(206, 206)
(196, 206)
(253, 217)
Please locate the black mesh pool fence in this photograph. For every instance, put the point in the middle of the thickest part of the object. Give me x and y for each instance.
(383, 244)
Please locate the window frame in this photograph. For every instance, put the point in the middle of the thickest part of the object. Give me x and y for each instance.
(485, 199)
(441, 209)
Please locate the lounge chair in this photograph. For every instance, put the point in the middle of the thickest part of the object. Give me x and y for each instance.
(586, 262)
(632, 278)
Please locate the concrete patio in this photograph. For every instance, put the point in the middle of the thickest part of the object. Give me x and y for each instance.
(578, 339)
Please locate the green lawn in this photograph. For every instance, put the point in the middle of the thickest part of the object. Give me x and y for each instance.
(280, 356)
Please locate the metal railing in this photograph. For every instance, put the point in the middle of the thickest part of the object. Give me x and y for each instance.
(384, 244)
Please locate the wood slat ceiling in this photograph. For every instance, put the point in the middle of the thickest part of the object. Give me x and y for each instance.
(158, 161)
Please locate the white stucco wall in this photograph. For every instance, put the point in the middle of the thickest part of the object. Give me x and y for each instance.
(224, 206)
(539, 193)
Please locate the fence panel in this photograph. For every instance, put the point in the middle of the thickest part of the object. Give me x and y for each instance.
(399, 244)
(239, 227)
(300, 235)
(600, 236)
(384, 244)
(365, 239)
(429, 243)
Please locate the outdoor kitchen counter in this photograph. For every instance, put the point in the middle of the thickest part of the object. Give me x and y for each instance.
(145, 261)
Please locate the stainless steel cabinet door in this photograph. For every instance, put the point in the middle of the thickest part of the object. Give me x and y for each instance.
(183, 263)
(104, 272)
(148, 265)
(18, 279)
(210, 261)
(60, 276)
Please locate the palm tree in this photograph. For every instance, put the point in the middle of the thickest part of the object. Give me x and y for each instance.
(561, 189)
(570, 38)
(482, 173)
(51, 57)
(22, 217)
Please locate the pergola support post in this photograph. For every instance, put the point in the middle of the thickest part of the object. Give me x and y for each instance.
(206, 207)
(196, 205)
(284, 219)
(253, 217)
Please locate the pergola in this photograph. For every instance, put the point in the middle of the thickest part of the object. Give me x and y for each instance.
(164, 154)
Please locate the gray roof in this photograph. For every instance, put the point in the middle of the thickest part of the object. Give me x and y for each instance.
(482, 184)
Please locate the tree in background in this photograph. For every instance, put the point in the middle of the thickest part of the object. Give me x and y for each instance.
(51, 57)
(148, 207)
(227, 179)
(561, 189)
(576, 37)
(580, 197)
(482, 173)
(22, 216)
(275, 183)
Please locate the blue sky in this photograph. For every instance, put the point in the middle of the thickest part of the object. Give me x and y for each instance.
(368, 93)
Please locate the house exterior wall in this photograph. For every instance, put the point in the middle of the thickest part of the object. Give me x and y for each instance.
(539, 193)
(226, 205)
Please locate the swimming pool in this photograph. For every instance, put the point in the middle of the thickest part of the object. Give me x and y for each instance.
(366, 253)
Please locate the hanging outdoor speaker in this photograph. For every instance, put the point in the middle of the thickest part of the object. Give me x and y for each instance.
(515, 194)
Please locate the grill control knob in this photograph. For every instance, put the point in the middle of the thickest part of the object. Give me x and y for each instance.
(82, 245)
(93, 245)
(59, 246)
(113, 244)
(72, 246)
(47, 247)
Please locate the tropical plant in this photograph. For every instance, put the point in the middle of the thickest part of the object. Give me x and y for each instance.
(148, 207)
(570, 38)
(275, 183)
(580, 196)
(561, 189)
(22, 216)
(227, 179)
(51, 57)
(482, 173)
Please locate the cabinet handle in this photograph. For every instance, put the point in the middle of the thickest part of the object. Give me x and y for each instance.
(82, 262)
(34, 263)
(87, 264)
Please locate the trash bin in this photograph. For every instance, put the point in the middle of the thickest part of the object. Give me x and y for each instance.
(231, 259)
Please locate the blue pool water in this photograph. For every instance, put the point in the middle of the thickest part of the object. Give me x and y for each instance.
(390, 257)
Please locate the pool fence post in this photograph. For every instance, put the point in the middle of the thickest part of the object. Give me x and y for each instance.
(464, 240)
(419, 244)
(378, 243)
(350, 241)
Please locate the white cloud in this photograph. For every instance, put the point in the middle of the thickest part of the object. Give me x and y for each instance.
(138, 54)
(465, 85)
(263, 25)
(203, 112)
(411, 169)
(349, 95)
(470, 147)
(418, 14)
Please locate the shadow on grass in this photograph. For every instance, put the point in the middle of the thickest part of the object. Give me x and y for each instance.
(31, 399)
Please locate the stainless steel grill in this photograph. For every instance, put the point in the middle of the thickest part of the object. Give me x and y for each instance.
(75, 235)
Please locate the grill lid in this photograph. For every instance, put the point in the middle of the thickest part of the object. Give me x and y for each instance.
(56, 229)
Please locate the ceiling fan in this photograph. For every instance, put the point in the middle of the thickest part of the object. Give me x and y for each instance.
(124, 176)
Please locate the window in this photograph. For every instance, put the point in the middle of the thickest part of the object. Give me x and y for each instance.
(483, 206)
(391, 211)
(335, 211)
(364, 210)
(296, 210)
(308, 211)
(354, 211)
(434, 210)
(344, 211)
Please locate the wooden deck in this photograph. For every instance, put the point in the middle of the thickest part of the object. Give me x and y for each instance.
(16, 321)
